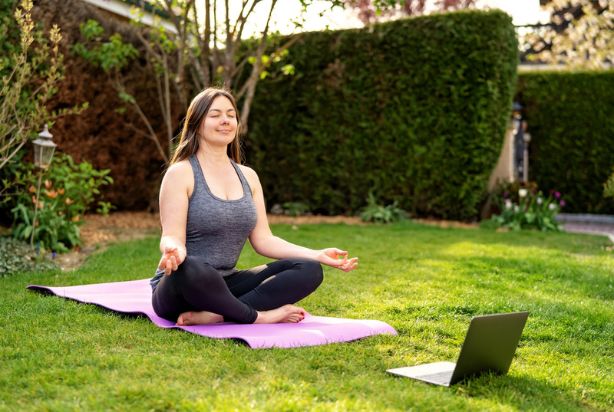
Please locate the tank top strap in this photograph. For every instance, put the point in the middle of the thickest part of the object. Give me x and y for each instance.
(199, 178)
(244, 183)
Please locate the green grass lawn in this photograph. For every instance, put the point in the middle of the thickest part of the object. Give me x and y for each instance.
(427, 282)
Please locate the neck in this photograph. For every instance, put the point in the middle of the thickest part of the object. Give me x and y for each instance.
(213, 154)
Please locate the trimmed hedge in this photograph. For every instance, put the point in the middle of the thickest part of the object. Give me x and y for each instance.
(570, 116)
(413, 110)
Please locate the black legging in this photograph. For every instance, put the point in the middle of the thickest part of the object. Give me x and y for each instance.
(197, 286)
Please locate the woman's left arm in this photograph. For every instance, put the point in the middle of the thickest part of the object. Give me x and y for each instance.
(266, 244)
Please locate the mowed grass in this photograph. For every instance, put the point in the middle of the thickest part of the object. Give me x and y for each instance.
(427, 282)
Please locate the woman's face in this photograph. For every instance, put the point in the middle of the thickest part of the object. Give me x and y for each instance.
(220, 124)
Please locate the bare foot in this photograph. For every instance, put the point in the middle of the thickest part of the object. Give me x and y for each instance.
(199, 318)
(284, 314)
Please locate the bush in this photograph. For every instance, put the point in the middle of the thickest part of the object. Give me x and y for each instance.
(67, 192)
(608, 187)
(527, 208)
(569, 116)
(29, 77)
(295, 208)
(17, 256)
(414, 109)
(377, 213)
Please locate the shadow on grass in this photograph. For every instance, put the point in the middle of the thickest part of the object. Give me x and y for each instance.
(521, 392)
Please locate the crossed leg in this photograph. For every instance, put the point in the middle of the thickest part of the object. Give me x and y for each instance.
(197, 294)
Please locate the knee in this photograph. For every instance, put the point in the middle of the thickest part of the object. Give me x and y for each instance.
(313, 273)
(195, 269)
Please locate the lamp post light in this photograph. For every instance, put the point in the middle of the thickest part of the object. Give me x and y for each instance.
(43, 153)
(520, 143)
(44, 148)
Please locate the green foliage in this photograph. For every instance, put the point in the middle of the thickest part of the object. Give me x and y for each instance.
(9, 35)
(527, 208)
(570, 119)
(377, 213)
(30, 73)
(110, 54)
(608, 186)
(415, 109)
(67, 192)
(17, 256)
(295, 208)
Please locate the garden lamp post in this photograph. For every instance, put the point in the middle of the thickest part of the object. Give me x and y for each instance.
(519, 145)
(43, 153)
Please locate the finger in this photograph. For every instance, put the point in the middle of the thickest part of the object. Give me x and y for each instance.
(327, 260)
(341, 253)
(350, 261)
(169, 267)
(176, 253)
(350, 265)
(174, 265)
(163, 260)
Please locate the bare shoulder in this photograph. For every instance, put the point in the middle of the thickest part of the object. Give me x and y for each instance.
(179, 169)
(179, 175)
(251, 176)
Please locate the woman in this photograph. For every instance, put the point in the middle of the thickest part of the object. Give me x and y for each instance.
(209, 205)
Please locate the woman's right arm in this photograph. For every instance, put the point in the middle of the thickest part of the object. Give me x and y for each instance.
(176, 188)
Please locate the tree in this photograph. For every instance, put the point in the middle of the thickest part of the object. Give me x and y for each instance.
(580, 34)
(370, 11)
(190, 46)
(210, 47)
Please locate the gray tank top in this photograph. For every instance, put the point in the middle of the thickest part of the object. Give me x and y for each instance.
(216, 229)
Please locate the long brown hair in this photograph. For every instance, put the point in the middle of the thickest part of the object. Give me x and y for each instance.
(199, 107)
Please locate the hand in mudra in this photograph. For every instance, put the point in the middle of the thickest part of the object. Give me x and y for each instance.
(337, 258)
(171, 259)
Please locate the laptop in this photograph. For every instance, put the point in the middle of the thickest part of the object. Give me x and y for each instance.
(489, 346)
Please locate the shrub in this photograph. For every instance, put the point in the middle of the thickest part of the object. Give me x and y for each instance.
(608, 186)
(377, 213)
(29, 77)
(295, 208)
(68, 191)
(17, 256)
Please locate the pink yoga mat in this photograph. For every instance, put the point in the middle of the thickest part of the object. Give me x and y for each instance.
(134, 297)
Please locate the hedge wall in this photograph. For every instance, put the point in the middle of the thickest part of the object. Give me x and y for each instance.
(413, 110)
(571, 119)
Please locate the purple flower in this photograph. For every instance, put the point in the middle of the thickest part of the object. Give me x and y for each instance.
(506, 194)
(562, 203)
(557, 195)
